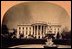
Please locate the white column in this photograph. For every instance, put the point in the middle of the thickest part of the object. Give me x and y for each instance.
(34, 31)
(17, 35)
(53, 30)
(41, 32)
(31, 30)
(25, 31)
(56, 33)
(60, 33)
(21, 30)
(46, 30)
(37, 32)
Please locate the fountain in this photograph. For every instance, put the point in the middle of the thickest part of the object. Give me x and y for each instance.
(50, 43)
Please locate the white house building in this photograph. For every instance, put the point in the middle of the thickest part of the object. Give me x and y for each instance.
(37, 30)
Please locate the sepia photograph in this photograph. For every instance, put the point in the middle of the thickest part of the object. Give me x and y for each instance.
(35, 24)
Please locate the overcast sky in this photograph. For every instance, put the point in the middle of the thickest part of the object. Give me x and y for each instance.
(26, 13)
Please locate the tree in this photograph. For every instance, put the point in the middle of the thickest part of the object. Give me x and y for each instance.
(5, 32)
(66, 34)
(4, 29)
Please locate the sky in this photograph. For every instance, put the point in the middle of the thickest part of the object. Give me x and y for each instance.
(50, 12)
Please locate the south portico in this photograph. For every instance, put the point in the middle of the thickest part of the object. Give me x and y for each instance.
(39, 30)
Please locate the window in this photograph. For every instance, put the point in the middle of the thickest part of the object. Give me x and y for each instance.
(30, 28)
(39, 27)
(58, 29)
(42, 29)
(39, 37)
(55, 29)
(29, 32)
(26, 28)
(38, 33)
(19, 31)
(36, 27)
(22, 31)
(19, 27)
(26, 32)
(50, 28)
(50, 31)
(23, 27)
(35, 33)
